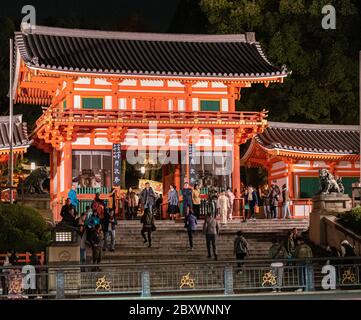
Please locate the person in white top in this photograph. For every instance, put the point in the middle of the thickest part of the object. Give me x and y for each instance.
(223, 205)
(231, 197)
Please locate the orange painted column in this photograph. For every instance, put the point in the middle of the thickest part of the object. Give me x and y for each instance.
(236, 178)
(177, 176)
(58, 191)
(67, 166)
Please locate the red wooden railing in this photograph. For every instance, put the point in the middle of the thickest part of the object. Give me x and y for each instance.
(136, 118)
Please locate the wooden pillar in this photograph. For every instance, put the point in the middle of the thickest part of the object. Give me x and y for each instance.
(236, 179)
(67, 167)
(177, 176)
(236, 176)
(59, 203)
(232, 98)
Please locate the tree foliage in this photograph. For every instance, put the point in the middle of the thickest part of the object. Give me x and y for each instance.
(323, 86)
(22, 228)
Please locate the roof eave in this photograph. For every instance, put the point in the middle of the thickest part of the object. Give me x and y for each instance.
(100, 73)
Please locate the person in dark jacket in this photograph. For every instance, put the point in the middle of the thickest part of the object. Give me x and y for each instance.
(187, 199)
(109, 224)
(240, 248)
(148, 198)
(211, 230)
(251, 201)
(95, 241)
(147, 220)
(289, 245)
(191, 225)
(68, 213)
(274, 198)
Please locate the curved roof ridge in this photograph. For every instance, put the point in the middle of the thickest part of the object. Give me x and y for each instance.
(309, 126)
(123, 35)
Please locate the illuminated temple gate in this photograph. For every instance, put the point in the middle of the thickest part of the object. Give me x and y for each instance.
(136, 90)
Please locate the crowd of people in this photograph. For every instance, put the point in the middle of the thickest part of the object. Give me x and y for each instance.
(271, 197)
(217, 203)
(95, 226)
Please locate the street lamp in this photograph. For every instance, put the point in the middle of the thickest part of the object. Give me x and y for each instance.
(32, 166)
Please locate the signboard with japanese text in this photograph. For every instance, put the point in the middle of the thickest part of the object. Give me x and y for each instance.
(117, 163)
(192, 165)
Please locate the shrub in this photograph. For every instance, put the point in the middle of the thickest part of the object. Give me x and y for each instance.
(352, 220)
(23, 229)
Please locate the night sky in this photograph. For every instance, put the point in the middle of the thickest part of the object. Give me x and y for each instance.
(157, 14)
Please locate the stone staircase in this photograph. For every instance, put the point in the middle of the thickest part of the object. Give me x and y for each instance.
(170, 241)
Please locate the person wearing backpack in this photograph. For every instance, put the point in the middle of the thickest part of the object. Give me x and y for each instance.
(241, 249)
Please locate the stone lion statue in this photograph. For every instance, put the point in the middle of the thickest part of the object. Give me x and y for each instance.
(329, 183)
(34, 181)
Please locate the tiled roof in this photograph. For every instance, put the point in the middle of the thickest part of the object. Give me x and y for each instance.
(20, 137)
(87, 51)
(307, 138)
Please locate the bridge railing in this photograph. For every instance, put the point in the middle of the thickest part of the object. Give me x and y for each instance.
(179, 277)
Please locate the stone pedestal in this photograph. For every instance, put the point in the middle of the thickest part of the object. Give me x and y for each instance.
(59, 257)
(326, 205)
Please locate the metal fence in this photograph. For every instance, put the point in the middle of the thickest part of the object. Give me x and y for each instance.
(227, 277)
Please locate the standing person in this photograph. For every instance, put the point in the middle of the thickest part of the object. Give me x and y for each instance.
(148, 226)
(303, 251)
(98, 205)
(187, 199)
(211, 230)
(295, 235)
(88, 212)
(110, 222)
(223, 206)
(240, 249)
(95, 242)
(173, 201)
(196, 200)
(73, 197)
(148, 198)
(290, 245)
(286, 214)
(212, 200)
(274, 197)
(130, 204)
(231, 198)
(191, 225)
(93, 221)
(136, 202)
(82, 234)
(266, 192)
(251, 199)
(67, 213)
